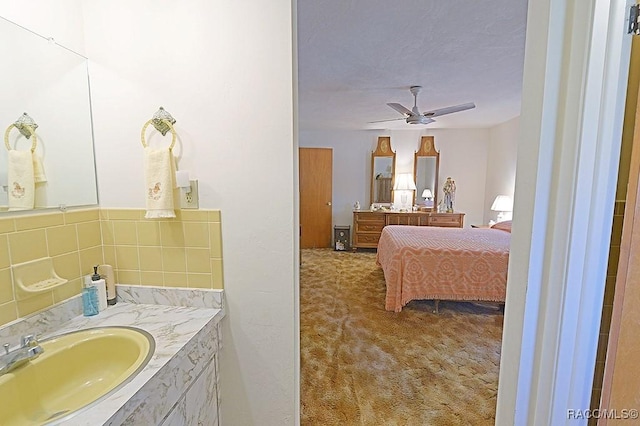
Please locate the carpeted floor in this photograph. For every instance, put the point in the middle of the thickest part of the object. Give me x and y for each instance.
(362, 365)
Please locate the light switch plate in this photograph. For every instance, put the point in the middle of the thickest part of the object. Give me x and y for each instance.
(189, 199)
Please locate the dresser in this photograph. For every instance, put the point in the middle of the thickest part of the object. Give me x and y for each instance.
(367, 225)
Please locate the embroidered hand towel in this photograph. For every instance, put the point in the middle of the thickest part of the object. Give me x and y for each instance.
(20, 179)
(159, 169)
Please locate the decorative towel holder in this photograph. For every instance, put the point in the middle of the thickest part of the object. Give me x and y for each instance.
(163, 122)
(25, 125)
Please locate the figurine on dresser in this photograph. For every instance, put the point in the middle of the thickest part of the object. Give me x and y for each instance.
(449, 190)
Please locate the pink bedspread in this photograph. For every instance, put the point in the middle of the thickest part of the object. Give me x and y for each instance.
(422, 262)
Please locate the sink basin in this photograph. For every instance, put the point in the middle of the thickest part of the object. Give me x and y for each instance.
(76, 371)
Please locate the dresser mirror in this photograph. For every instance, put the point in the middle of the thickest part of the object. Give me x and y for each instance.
(383, 166)
(425, 173)
(51, 84)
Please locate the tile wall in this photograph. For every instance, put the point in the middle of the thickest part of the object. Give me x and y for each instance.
(72, 239)
(181, 252)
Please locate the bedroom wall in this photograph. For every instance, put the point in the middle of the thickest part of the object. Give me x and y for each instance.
(501, 163)
(463, 156)
(351, 165)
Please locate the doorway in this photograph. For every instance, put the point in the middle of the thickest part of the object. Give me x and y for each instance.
(616, 358)
(316, 174)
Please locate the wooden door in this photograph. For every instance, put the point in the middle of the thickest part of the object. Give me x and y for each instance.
(622, 369)
(316, 173)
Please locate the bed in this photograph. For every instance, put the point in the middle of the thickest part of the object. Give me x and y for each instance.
(423, 262)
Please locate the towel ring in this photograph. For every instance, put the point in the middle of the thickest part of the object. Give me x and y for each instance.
(168, 123)
(34, 142)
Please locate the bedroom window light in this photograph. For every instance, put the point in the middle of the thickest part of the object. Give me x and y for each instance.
(503, 204)
(404, 183)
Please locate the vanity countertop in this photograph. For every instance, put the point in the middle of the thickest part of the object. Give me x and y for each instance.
(185, 324)
(177, 331)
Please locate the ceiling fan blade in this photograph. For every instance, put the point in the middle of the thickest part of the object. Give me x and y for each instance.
(401, 109)
(382, 121)
(449, 110)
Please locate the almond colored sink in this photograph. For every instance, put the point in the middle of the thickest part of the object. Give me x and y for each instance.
(76, 370)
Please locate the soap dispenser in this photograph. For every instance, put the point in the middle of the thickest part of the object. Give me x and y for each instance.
(90, 301)
(101, 286)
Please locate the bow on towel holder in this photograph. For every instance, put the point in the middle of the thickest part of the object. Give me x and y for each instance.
(163, 122)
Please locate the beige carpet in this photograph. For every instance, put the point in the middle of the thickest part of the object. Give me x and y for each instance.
(362, 365)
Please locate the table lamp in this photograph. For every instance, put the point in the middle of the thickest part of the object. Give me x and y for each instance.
(503, 204)
(404, 182)
(428, 197)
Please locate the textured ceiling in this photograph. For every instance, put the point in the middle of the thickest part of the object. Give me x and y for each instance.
(354, 56)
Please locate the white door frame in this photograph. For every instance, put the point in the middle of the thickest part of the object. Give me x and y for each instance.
(576, 64)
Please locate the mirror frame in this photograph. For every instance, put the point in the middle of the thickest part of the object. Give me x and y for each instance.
(383, 149)
(427, 149)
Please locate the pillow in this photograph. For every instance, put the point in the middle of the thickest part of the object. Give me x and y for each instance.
(503, 226)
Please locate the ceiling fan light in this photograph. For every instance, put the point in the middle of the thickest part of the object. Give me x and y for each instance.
(418, 119)
(413, 116)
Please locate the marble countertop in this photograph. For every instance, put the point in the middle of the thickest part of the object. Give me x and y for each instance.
(186, 329)
(173, 328)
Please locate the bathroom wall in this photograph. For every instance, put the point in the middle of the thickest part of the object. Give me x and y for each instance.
(63, 21)
(224, 70)
(181, 252)
(72, 239)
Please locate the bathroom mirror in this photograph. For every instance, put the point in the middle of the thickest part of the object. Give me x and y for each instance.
(383, 166)
(51, 84)
(425, 173)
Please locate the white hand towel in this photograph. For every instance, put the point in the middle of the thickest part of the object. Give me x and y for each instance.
(38, 170)
(21, 183)
(159, 170)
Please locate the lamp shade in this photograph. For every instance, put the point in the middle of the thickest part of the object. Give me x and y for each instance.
(502, 203)
(427, 193)
(404, 182)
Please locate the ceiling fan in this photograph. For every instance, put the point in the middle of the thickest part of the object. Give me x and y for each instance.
(413, 116)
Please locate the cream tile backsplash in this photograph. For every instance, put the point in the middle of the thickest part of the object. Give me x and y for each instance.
(181, 252)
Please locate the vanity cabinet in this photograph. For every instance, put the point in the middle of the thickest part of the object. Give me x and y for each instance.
(199, 404)
(367, 225)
